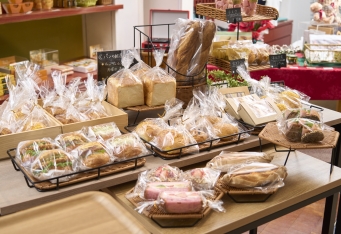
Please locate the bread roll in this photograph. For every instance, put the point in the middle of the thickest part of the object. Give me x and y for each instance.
(169, 139)
(150, 128)
(72, 140)
(222, 129)
(104, 131)
(198, 135)
(125, 92)
(93, 155)
(126, 146)
(158, 90)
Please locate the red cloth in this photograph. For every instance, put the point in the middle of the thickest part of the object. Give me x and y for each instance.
(318, 83)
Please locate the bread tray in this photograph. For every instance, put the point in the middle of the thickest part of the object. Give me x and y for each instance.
(203, 146)
(173, 220)
(262, 12)
(84, 175)
(225, 64)
(240, 195)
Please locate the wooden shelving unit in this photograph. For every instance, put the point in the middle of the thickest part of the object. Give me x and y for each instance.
(55, 13)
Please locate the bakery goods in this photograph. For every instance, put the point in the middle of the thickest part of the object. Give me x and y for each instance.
(169, 139)
(29, 126)
(164, 173)
(222, 129)
(72, 140)
(303, 130)
(226, 161)
(92, 155)
(202, 178)
(255, 175)
(126, 91)
(199, 135)
(181, 202)
(104, 131)
(127, 146)
(153, 189)
(150, 128)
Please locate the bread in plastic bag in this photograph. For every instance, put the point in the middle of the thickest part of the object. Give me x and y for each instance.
(227, 161)
(101, 131)
(304, 113)
(149, 128)
(37, 119)
(140, 68)
(158, 85)
(124, 88)
(153, 189)
(72, 140)
(202, 178)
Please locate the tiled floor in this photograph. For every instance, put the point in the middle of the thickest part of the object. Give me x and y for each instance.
(307, 220)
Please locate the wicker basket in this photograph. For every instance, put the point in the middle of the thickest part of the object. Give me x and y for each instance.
(185, 93)
(225, 64)
(262, 12)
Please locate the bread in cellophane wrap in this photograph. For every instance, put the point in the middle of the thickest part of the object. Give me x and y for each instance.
(175, 140)
(126, 146)
(28, 70)
(158, 85)
(102, 131)
(249, 7)
(202, 178)
(124, 88)
(90, 101)
(140, 68)
(149, 128)
(182, 202)
(239, 50)
(302, 130)
(261, 176)
(92, 155)
(259, 54)
(72, 140)
(28, 151)
(226, 161)
(173, 110)
(289, 98)
(304, 113)
(53, 163)
(37, 119)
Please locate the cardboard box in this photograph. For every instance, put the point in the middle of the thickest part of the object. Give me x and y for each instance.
(251, 112)
(11, 141)
(232, 103)
(83, 65)
(116, 115)
(231, 107)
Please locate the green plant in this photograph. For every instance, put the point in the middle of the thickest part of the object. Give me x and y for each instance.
(219, 77)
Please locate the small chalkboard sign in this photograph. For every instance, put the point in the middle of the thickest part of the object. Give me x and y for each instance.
(109, 62)
(234, 15)
(278, 60)
(236, 63)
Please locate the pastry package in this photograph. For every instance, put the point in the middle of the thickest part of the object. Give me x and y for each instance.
(153, 189)
(140, 68)
(37, 119)
(180, 202)
(249, 7)
(124, 88)
(259, 54)
(302, 130)
(304, 113)
(189, 48)
(262, 176)
(102, 131)
(227, 161)
(72, 140)
(202, 178)
(53, 163)
(91, 155)
(173, 110)
(28, 151)
(126, 146)
(149, 128)
(158, 85)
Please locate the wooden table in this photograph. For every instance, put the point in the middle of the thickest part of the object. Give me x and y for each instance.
(302, 187)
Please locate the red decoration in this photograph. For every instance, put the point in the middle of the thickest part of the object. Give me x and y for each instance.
(256, 27)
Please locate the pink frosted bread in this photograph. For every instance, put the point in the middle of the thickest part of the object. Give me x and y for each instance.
(181, 202)
(153, 189)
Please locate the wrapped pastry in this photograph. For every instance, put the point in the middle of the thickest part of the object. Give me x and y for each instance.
(27, 151)
(304, 113)
(149, 128)
(153, 189)
(227, 161)
(52, 163)
(72, 140)
(261, 176)
(127, 146)
(37, 119)
(158, 85)
(102, 131)
(124, 88)
(202, 178)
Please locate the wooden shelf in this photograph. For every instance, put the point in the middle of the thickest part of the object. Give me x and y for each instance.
(56, 12)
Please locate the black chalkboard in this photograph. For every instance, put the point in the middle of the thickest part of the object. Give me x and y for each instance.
(278, 60)
(109, 62)
(234, 15)
(235, 63)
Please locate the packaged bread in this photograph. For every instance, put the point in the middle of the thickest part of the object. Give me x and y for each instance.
(227, 161)
(304, 113)
(72, 140)
(53, 163)
(124, 88)
(222, 127)
(27, 151)
(92, 155)
(153, 189)
(202, 178)
(140, 68)
(249, 7)
(158, 85)
(256, 176)
(37, 119)
(149, 128)
(126, 146)
(102, 131)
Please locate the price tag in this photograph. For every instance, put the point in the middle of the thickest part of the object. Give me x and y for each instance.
(236, 63)
(278, 60)
(234, 15)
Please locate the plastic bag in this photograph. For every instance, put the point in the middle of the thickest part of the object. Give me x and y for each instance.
(141, 67)
(304, 113)
(37, 119)
(127, 146)
(249, 7)
(262, 176)
(202, 178)
(101, 131)
(149, 128)
(173, 109)
(124, 88)
(227, 161)
(72, 140)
